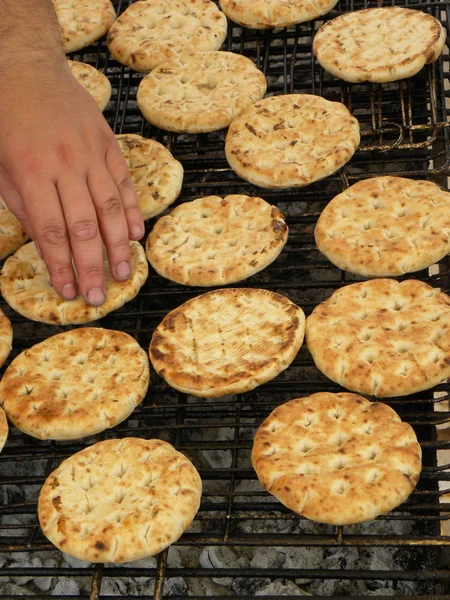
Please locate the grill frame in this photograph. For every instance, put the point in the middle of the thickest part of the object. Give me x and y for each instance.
(409, 140)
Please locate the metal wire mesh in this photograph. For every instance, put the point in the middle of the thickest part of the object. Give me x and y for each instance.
(404, 132)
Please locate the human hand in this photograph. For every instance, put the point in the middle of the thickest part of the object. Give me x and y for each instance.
(63, 176)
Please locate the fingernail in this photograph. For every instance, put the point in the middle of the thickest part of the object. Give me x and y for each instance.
(137, 232)
(96, 297)
(38, 250)
(123, 270)
(69, 292)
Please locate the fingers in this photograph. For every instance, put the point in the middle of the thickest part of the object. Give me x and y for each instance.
(119, 171)
(112, 221)
(84, 235)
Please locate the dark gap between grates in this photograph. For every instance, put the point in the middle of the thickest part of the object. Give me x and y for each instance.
(244, 543)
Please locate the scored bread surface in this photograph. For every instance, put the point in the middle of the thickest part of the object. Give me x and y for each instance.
(83, 22)
(93, 82)
(150, 33)
(291, 141)
(227, 341)
(382, 337)
(379, 44)
(25, 285)
(3, 429)
(75, 384)
(12, 235)
(119, 500)
(386, 226)
(199, 93)
(216, 241)
(156, 175)
(337, 458)
(264, 14)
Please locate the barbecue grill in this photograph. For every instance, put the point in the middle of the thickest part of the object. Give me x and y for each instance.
(243, 543)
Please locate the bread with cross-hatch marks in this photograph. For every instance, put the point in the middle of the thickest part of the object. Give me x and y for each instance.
(382, 337)
(119, 500)
(337, 458)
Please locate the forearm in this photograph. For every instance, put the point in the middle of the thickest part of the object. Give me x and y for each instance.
(29, 36)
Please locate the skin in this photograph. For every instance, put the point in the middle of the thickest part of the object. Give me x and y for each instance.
(61, 170)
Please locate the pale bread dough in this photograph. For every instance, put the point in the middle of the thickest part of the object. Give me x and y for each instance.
(150, 33)
(386, 226)
(379, 44)
(119, 500)
(337, 458)
(264, 14)
(83, 22)
(156, 175)
(12, 236)
(93, 82)
(200, 93)
(75, 384)
(26, 287)
(382, 337)
(216, 241)
(291, 141)
(227, 341)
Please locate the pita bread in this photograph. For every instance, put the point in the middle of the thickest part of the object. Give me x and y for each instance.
(337, 458)
(227, 341)
(379, 44)
(382, 337)
(6, 337)
(75, 384)
(216, 241)
(150, 33)
(200, 93)
(26, 287)
(93, 81)
(119, 500)
(12, 236)
(83, 22)
(3, 429)
(291, 141)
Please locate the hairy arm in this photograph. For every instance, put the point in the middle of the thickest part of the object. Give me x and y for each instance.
(61, 170)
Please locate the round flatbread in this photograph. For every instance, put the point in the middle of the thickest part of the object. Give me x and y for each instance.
(150, 33)
(75, 384)
(26, 287)
(386, 226)
(6, 337)
(337, 458)
(119, 500)
(379, 44)
(291, 141)
(200, 93)
(93, 81)
(12, 236)
(216, 241)
(227, 342)
(156, 175)
(382, 337)
(3, 429)
(83, 22)
(264, 14)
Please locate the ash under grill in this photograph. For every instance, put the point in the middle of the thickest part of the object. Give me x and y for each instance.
(243, 543)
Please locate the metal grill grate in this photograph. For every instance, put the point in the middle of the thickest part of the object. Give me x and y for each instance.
(404, 132)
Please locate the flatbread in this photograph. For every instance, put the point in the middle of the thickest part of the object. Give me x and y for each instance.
(386, 226)
(216, 241)
(3, 429)
(6, 337)
(227, 341)
(264, 14)
(291, 141)
(200, 93)
(83, 22)
(93, 81)
(150, 33)
(382, 337)
(337, 458)
(12, 236)
(26, 287)
(379, 44)
(75, 384)
(119, 500)
(156, 175)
